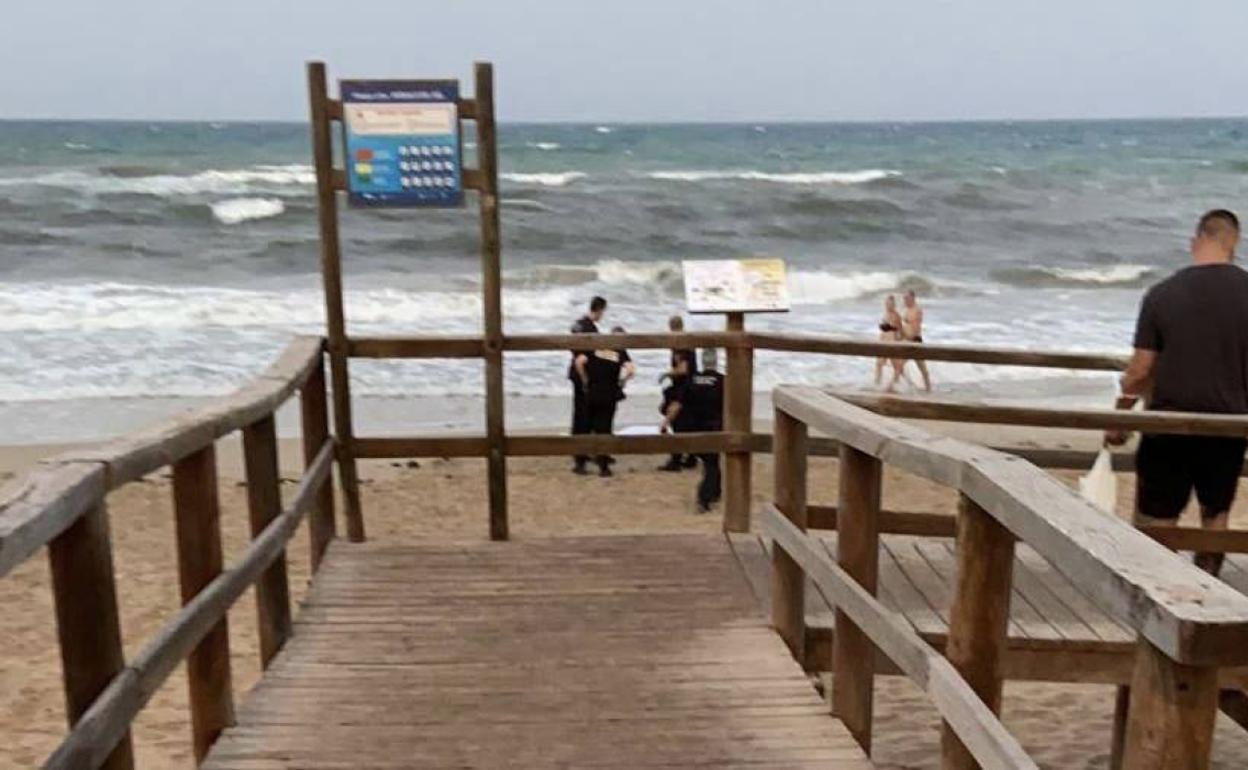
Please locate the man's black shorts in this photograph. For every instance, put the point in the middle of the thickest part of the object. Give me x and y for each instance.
(1169, 467)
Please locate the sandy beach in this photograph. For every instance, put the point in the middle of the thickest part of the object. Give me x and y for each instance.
(1063, 726)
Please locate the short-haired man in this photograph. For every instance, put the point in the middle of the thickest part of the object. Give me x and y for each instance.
(1191, 355)
(586, 324)
(912, 331)
(683, 365)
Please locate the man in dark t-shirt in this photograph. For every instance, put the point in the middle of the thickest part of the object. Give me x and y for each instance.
(586, 324)
(602, 374)
(1191, 355)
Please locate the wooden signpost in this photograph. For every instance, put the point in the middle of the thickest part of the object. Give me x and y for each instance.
(402, 148)
(736, 287)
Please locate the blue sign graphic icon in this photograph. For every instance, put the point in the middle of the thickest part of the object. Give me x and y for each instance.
(402, 142)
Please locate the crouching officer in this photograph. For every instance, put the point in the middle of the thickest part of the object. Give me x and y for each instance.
(700, 406)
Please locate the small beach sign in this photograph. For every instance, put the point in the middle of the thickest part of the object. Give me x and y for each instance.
(402, 142)
(736, 286)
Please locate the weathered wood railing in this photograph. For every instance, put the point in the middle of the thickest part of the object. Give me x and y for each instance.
(62, 505)
(738, 442)
(1189, 624)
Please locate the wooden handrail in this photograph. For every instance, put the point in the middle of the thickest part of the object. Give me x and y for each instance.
(1184, 423)
(138, 454)
(979, 729)
(470, 346)
(110, 716)
(962, 354)
(1189, 623)
(1190, 616)
(61, 504)
(47, 501)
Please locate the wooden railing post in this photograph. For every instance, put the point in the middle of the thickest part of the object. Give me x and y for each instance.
(335, 316)
(738, 418)
(198, 519)
(491, 291)
(322, 527)
(858, 553)
(1172, 712)
(979, 619)
(87, 623)
(264, 504)
(788, 588)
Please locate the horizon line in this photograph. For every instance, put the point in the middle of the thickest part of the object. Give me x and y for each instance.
(633, 122)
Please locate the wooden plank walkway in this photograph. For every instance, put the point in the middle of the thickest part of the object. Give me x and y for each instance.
(1056, 632)
(644, 651)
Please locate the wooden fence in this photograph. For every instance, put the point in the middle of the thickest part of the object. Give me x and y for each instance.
(62, 505)
(1189, 624)
(739, 440)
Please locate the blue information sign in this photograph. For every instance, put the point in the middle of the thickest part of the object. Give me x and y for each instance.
(402, 140)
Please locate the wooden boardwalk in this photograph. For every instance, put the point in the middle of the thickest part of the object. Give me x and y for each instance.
(1056, 632)
(646, 651)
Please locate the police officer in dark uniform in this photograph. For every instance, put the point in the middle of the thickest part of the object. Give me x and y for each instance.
(701, 402)
(602, 374)
(586, 324)
(683, 365)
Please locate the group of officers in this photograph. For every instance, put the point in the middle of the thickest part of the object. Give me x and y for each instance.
(693, 399)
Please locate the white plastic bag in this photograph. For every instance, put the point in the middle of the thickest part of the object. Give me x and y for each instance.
(1100, 487)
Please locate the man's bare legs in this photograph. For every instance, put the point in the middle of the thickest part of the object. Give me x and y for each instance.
(927, 378)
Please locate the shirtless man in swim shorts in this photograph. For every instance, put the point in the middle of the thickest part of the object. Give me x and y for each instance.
(912, 331)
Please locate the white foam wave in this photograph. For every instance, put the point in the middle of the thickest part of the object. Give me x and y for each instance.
(819, 288)
(236, 210)
(618, 271)
(293, 178)
(603, 129)
(81, 308)
(77, 146)
(801, 178)
(550, 179)
(1101, 275)
(547, 146)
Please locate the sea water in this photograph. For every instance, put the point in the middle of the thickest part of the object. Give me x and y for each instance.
(159, 262)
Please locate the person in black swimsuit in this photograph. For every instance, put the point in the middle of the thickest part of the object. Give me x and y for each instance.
(890, 331)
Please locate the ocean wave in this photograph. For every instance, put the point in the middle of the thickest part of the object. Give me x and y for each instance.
(526, 204)
(1091, 277)
(236, 210)
(544, 146)
(13, 237)
(548, 179)
(117, 180)
(90, 307)
(604, 129)
(863, 176)
(821, 288)
(813, 204)
(807, 287)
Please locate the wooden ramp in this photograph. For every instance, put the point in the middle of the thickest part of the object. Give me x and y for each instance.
(644, 651)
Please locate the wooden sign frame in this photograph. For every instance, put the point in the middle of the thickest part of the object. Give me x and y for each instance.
(330, 181)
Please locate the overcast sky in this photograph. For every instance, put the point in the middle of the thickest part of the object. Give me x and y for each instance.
(639, 60)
